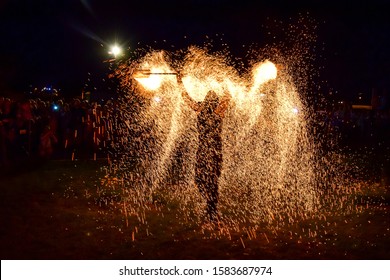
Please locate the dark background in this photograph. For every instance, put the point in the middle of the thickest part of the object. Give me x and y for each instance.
(61, 43)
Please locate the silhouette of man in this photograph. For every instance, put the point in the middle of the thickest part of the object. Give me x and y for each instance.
(210, 114)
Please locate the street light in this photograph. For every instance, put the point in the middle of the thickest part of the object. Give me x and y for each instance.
(115, 51)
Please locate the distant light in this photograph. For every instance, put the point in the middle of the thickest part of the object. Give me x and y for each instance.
(157, 99)
(295, 110)
(115, 50)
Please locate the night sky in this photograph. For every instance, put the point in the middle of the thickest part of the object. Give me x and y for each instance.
(58, 42)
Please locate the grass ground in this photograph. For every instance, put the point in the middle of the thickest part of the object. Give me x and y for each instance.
(49, 211)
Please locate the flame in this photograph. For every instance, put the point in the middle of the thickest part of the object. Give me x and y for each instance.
(263, 72)
(153, 63)
(150, 82)
(202, 73)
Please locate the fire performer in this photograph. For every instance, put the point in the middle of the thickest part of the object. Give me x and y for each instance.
(210, 114)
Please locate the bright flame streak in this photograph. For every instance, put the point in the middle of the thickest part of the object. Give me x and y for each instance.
(198, 89)
(262, 73)
(151, 82)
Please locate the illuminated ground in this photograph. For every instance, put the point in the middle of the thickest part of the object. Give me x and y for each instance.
(50, 212)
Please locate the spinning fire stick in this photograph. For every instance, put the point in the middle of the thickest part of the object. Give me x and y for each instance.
(147, 73)
(151, 80)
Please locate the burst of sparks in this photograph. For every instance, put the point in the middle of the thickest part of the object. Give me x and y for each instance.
(270, 172)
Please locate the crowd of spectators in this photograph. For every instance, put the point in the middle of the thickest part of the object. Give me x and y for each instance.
(357, 126)
(40, 129)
